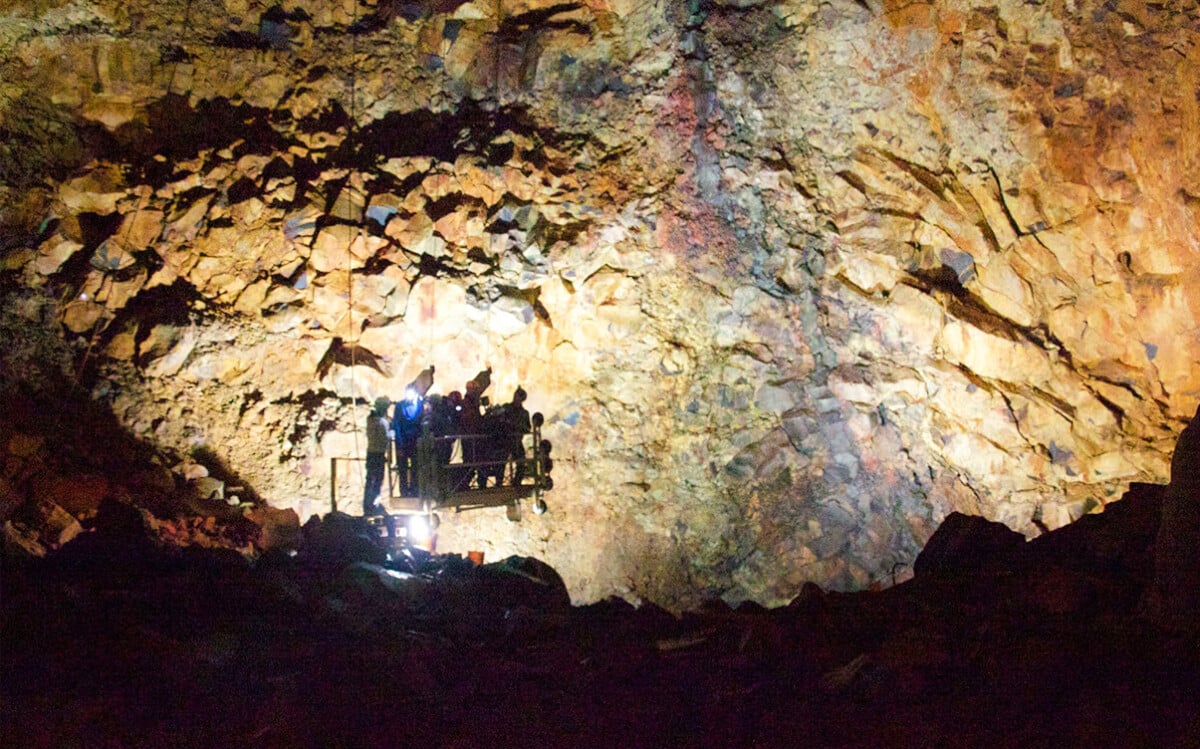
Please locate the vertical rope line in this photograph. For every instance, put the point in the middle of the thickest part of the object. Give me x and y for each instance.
(492, 115)
(487, 332)
(496, 58)
(353, 135)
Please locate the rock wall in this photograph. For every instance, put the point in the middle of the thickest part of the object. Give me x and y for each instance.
(791, 281)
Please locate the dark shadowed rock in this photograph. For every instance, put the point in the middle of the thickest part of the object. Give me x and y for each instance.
(809, 595)
(615, 618)
(20, 543)
(10, 499)
(964, 541)
(338, 540)
(77, 493)
(1123, 534)
(750, 607)
(1112, 553)
(278, 529)
(1175, 597)
(525, 581)
(119, 550)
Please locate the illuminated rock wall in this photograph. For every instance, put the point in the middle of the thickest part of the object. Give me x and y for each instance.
(791, 281)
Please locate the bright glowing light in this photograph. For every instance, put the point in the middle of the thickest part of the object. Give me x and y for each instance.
(410, 395)
(418, 529)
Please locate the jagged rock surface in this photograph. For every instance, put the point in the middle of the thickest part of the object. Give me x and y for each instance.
(791, 281)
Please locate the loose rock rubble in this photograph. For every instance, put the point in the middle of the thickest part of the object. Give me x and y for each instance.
(117, 639)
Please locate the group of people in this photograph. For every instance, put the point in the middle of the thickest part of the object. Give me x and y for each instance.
(489, 437)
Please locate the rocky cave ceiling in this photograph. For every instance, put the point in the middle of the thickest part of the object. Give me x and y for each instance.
(790, 280)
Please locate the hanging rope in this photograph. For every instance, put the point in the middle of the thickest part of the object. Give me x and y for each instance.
(352, 134)
(429, 312)
(496, 62)
(487, 333)
(177, 53)
(492, 294)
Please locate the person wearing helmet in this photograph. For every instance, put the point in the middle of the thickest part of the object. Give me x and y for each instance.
(377, 449)
(422, 382)
(471, 421)
(481, 381)
(406, 425)
(446, 413)
(517, 423)
(453, 409)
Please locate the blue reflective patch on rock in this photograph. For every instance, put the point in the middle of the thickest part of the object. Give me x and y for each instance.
(380, 214)
(961, 263)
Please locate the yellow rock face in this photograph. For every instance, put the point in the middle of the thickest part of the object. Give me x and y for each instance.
(789, 281)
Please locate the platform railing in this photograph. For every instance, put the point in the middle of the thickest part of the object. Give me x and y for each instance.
(441, 470)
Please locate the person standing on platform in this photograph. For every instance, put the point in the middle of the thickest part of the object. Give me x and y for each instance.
(406, 425)
(470, 422)
(516, 418)
(377, 450)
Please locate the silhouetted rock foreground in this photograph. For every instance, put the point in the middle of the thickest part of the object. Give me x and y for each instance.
(117, 640)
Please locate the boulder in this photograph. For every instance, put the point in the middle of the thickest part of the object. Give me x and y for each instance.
(21, 542)
(158, 342)
(59, 527)
(153, 480)
(120, 550)
(95, 192)
(331, 248)
(207, 487)
(81, 315)
(54, 252)
(110, 256)
(278, 529)
(123, 345)
(173, 361)
(525, 581)
(339, 540)
(963, 542)
(78, 494)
